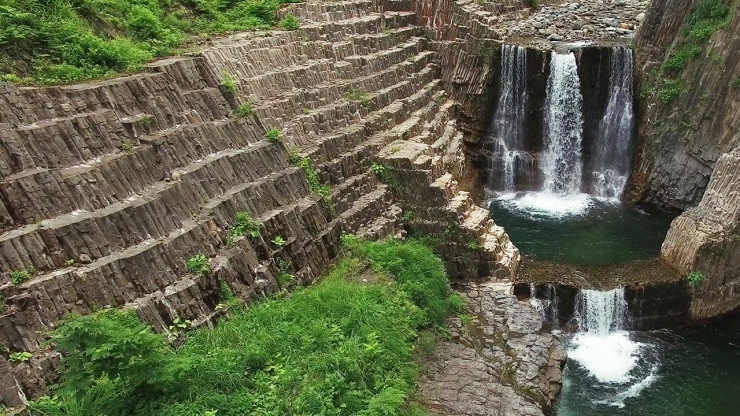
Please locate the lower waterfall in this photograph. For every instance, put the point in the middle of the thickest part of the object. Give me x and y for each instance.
(619, 366)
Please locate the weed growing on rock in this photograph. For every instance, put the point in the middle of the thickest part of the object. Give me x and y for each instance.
(736, 83)
(198, 264)
(359, 96)
(473, 245)
(274, 136)
(670, 90)
(285, 278)
(533, 3)
(126, 147)
(408, 215)
(289, 22)
(20, 357)
(179, 325)
(385, 174)
(19, 276)
(244, 109)
(228, 82)
(315, 186)
(340, 347)
(279, 241)
(695, 278)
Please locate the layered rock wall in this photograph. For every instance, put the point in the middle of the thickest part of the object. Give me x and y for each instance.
(682, 139)
(108, 188)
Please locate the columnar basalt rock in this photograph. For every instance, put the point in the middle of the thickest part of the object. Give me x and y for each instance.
(706, 240)
(500, 361)
(681, 139)
(109, 187)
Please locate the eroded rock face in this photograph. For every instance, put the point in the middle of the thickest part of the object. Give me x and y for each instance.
(706, 239)
(503, 362)
(681, 140)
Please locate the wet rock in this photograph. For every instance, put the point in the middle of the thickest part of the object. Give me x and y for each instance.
(555, 37)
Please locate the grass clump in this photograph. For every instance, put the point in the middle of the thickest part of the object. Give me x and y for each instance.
(62, 41)
(340, 347)
(289, 22)
(274, 136)
(359, 96)
(244, 109)
(228, 82)
(670, 90)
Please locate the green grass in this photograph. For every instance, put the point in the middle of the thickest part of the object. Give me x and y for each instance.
(340, 347)
(244, 109)
(274, 136)
(63, 41)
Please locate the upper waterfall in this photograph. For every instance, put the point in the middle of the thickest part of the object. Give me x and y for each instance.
(612, 160)
(562, 160)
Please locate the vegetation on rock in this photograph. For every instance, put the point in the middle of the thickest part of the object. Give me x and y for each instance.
(61, 41)
(345, 346)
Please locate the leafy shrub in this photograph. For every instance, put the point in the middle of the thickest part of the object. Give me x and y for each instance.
(384, 174)
(53, 41)
(340, 347)
(289, 22)
(245, 225)
(198, 264)
(20, 357)
(312, 178)
(112, 346)
(274, 136)
(19, 276)
(670, 90)
(678, 58)
(695, 278)
(244, 109)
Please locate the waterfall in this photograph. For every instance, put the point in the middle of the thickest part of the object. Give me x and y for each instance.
(601, 312)
(612, 159)
(564, 127)
(548, 308)
(509, 115)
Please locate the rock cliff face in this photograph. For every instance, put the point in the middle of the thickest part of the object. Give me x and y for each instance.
(108, 188)
(682, 139)
(687, 152)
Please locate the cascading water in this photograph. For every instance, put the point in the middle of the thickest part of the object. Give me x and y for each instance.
(611, 161)
(509, 115)
(562, 161)
(621, 367)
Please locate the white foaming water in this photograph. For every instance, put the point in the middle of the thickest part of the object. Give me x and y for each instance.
(604, 349)
(562, 158)
(546, 204)
(610, 358)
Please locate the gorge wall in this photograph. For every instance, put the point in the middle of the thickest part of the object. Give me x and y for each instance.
(689, 133)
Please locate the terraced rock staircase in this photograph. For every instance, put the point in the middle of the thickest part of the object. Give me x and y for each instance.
(109, 187)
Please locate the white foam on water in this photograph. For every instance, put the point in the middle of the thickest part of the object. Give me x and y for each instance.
(609, 358)
(546, 204)
(633, 390)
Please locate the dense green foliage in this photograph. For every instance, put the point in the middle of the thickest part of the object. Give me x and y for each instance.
(58, 41)
(695, 278)
(342, 347)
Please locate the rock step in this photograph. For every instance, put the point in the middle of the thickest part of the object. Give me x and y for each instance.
(366, 209)
(329, 147)
(387, 224)
(157, 210)
(337, 80)
(43, 193)
(324, 120)
(330, 11)
(279, 80)
(344, 195)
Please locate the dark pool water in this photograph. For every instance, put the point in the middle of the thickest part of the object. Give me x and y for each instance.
(579, 229)
(693, 372)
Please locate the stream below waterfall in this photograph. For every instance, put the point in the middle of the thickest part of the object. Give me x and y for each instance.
(693, 371)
